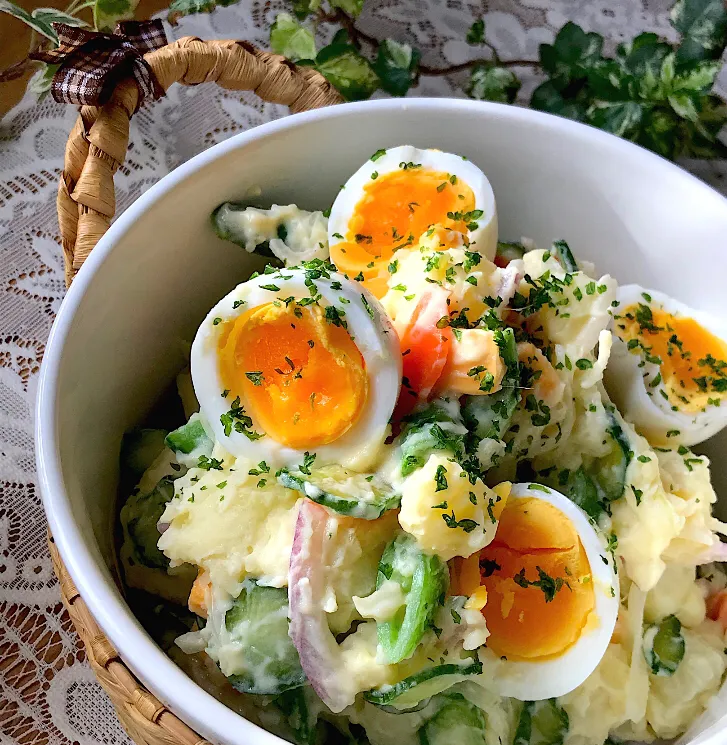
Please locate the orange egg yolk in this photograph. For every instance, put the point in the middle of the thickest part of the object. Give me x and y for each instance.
(538, 579)
(301, 378)
(396, 209)
(691, 359)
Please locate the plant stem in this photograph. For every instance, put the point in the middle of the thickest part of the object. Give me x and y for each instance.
(358, 37)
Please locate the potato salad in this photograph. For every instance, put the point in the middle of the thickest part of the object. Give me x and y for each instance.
(435, 488)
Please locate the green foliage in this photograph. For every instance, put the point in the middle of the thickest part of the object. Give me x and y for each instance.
(107, 13)
(291, 39)
(41, 18)
(652, 93)
(41, 81)
(347, 69)
(476, 33)
(493, 83)
(179, 8)
(352, 7)
(397, 66)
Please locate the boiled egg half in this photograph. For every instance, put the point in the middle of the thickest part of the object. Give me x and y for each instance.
(298, 361)
(668, 368)
(395, 198)
(548, 591)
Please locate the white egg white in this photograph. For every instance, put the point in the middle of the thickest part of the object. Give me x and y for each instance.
(368, 325)
(536, 680)
(633, 383)
(482, 239)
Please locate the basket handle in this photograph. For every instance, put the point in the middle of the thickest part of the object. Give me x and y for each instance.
(99, 139)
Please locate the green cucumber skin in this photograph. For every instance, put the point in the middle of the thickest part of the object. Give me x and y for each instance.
(424, 588)
(190, 437)
(541, 723)
(347, 507)
(565, 256)
(388, 696)
(664, 648)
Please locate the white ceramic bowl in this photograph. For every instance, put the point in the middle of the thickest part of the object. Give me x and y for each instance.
(116, 342)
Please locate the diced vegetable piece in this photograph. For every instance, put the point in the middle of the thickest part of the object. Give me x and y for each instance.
(609, 471)
(343, 491)
(664, 646)
(427, 431)
(425, 347)
(190, 437)
(457, 722)
(489, 416)
(423, 579)
(565, 256)
(422, 685)
(717, 607)
(229, 225)
(140, 516)
(320, 655)
(300, 715)
(508, 251)
(140, 447)
(258, 622)
(541, 723)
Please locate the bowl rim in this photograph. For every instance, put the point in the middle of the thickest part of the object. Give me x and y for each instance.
(185, 698)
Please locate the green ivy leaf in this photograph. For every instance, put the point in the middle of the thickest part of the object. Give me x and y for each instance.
(397, 66)
(179, 8)
(620, 118)
(346, 69)
(303, 8)
(107, 13)
(492, 83)
(703, 26)
(660, 132)
(571, 55)
(476, 33)
(546, 97)
(40, 19)
(289, 38)
(352, 7)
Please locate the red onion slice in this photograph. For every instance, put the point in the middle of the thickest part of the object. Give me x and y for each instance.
(320, 655)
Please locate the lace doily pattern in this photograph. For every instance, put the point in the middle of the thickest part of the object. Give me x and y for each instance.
(47, 693)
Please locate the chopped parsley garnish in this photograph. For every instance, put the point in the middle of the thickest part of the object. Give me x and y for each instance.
(368, 307)
(440, 478)
(550, 586)
(378, 154)
(308, 459)
(256, 378)
(216, 321)
(394, 266)
(467, 525)
(236, 419)
(237, 304)
(209, 464)
(488, 567)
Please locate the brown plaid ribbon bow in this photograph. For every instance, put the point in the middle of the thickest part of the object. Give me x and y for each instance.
(92, 63)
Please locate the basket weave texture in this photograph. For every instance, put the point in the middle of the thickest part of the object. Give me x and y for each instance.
(86, 204)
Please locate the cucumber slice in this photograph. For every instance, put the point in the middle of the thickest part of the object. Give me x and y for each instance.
(664, 646)
(190, 437)
(140, 516)
(423, 685)
(510, 250)
(423, 578)
(433, 429)
(227, 222)
(258, 622)
(489, 417)
(345, 492)
(562, 252)
(458, 722)
(609, 472)
(302, 718)
(541, 723)
(140, 448)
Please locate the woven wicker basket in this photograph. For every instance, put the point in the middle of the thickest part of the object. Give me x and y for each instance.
(86, 204)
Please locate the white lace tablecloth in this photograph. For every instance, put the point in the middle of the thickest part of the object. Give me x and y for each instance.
(47, 692)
